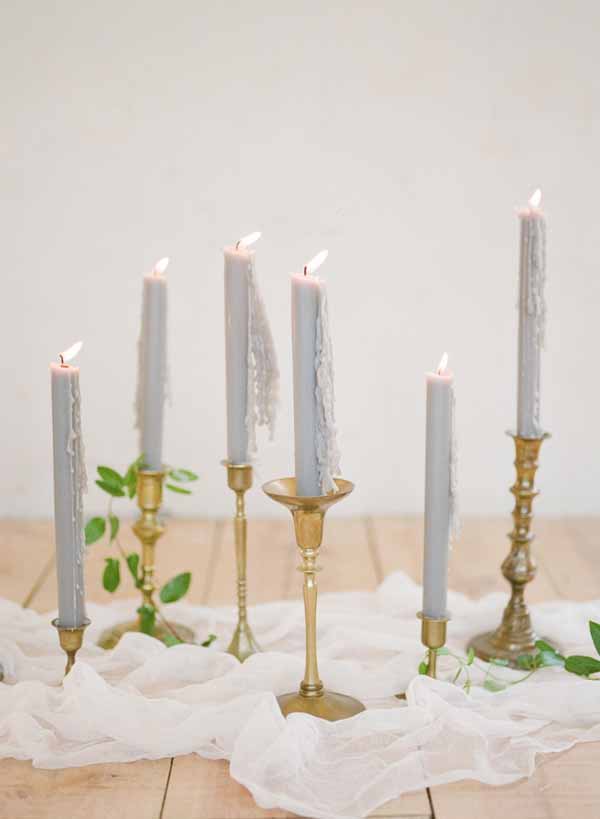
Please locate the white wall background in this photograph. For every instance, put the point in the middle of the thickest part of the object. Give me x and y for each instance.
(400, 135)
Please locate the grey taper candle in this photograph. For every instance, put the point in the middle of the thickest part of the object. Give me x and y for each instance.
(237, 264)
(438, 490)
(152, 367)
(532, 317)
(69, 485)
(305, 309)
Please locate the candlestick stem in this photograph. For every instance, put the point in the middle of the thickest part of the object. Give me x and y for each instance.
(308, 514)
(71, 640)
(515, 635)
(239, 480)
(148, 529)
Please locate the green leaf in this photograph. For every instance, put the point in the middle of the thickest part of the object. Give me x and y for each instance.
(112, 490)
(147, 619)
(112, 574)
(130, 479)
(114, 526)
(492, 685)
(179, 489)
(133, 561)
(498, 661)
(526, 661)
(595, 632)
(209, 640)
(182, 475)
(94, 530)
(110, 476)
(423, 667)
(175, 588)
(470, 656)
(442, 651)
(584, 666)
(170, 640)
(550, 658)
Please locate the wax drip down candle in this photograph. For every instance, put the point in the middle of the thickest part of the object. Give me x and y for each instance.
(441, 512)
(532, 316)
(317, 457)
(70, 482)
(252, 372)
(152, 367)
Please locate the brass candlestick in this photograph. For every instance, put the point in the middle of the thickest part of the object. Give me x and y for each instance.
(308, 515)
(239, 479)
(515, 635)
(433, 636)
(148, 529)
(71, 640)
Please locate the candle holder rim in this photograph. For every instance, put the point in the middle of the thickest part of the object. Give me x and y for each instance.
(230, 465)
(58, 626)
(283, 490)
(446, 619)
(152, 472)
(515, 436)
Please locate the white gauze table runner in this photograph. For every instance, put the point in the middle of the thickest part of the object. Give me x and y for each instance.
(145, 701)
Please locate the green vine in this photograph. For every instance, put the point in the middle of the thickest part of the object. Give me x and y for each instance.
(125, 486)
(545, 656)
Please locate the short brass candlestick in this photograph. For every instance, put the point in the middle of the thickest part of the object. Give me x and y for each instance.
(71, 640)
(433, 636)
(515, 635)
(148, 529)
(308, 515)
(239, 479)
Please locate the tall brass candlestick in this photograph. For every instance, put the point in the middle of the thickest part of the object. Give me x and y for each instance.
(308, 514)
(515, 635)
(239, 479)
(148, 528)
(71, 640)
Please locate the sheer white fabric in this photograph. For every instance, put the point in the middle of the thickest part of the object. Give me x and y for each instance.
(145, 701)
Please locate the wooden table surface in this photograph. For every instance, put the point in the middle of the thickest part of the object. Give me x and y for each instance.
(358, 554)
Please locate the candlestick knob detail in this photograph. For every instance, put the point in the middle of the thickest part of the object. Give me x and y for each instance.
(71, 640)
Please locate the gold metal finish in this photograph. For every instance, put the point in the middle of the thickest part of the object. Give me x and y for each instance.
(239, 480)
(308, 514)
(433, 636)
(515, 634)
(71, 640)
(148, 529)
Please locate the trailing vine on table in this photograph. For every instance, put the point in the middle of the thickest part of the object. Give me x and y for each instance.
(125, 486)
(544, 657)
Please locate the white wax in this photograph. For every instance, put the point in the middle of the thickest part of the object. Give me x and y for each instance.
(69, 484)
(439, 491)
(316, 452)
(152, 370)
(238, 262)
(532, 318)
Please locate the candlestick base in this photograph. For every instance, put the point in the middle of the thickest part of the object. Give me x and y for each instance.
(111, 636)
(308, 514)
(239, 479)
(515, 635)
(71, 640)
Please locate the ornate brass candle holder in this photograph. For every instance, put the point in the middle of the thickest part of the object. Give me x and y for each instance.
(308, 515)
(433, 636)
(71, 640)
(148, 529)
(515, 635)
(239, 479)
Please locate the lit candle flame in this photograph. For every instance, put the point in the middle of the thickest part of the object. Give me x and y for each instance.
(443, 364)
(248, 240)
(316, 262)
(160, 266)
(71, 352)
(536, 198)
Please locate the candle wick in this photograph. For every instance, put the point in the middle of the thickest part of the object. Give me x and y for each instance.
(305, 269)
(237, 244)
(62, 360)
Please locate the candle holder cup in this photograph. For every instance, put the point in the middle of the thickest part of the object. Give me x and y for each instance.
(308, 514)
(71, 640)
(515, 635)
(433, 636)
(148, 528)
(239, 480)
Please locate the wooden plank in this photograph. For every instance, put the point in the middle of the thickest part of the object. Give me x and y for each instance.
(92, 792)
(26, 549)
